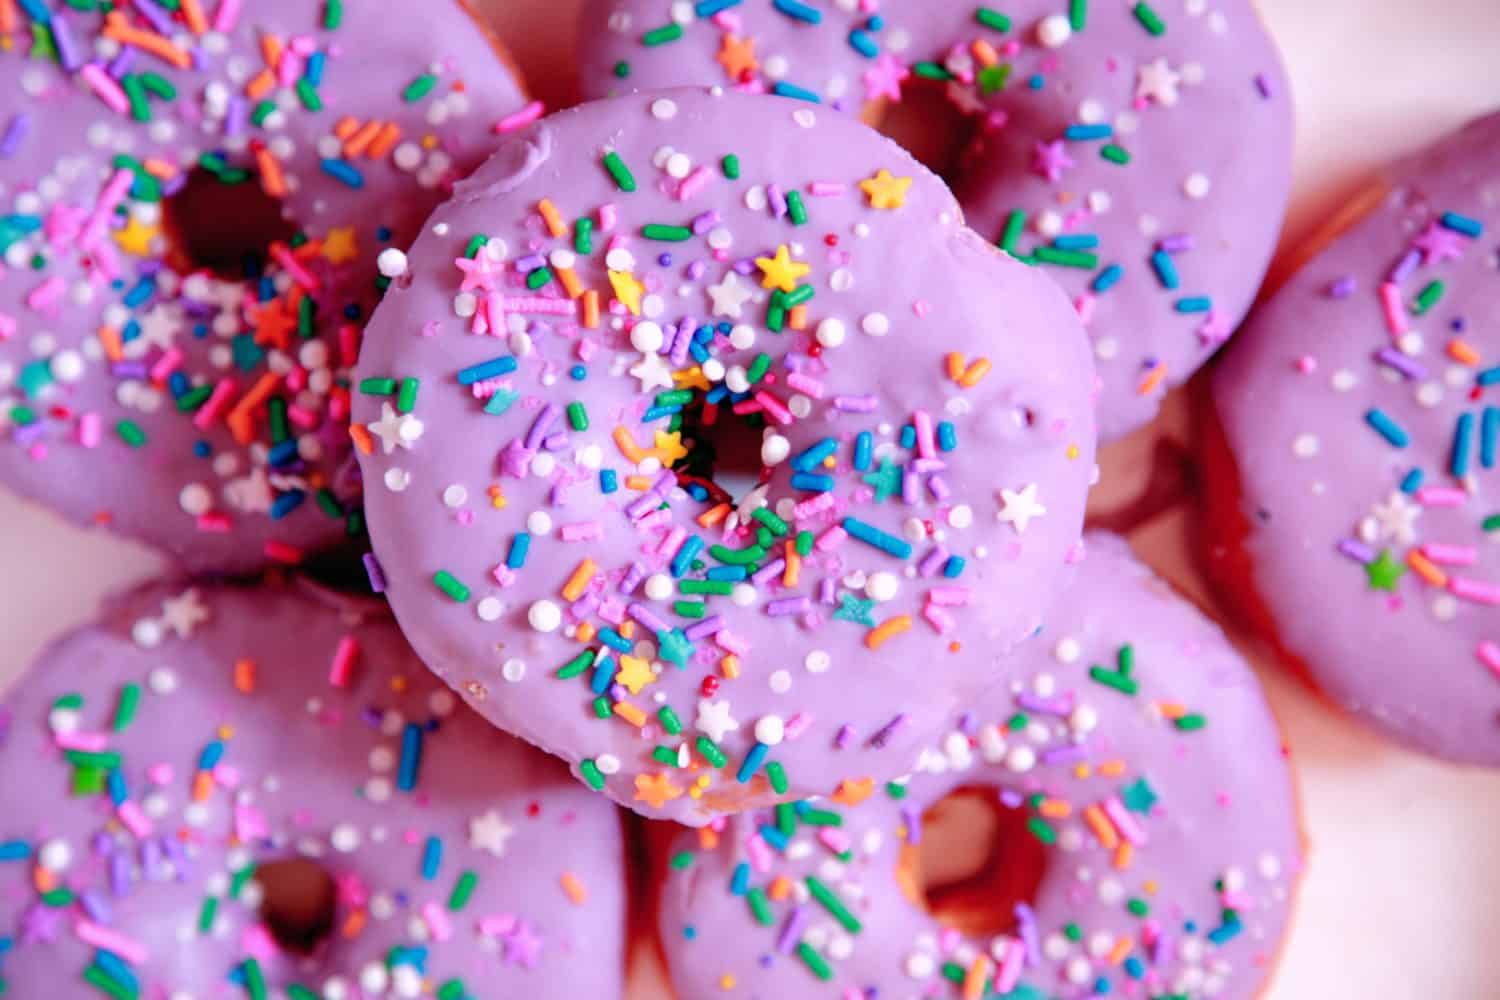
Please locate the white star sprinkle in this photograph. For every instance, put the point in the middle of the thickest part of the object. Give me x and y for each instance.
(1018, 507)
(1397, 518)
(653, 372)
(394, 428)
(1157, 81)
(183, 613)
(490, 832)
(714, 719)
(729, 296)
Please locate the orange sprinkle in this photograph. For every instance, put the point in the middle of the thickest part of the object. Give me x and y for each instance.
(796, 319)
(1112, 768)
(1153, 379)
(626, 443)
(270, 50)
(984, 52)
(585, 633)
(793, 571)
(574, 888)
(955, 364)
(729, 666)
(362, 439)
(965, 373)
(159, 168)
(553, 218)
(638, 483)
(974, 980)
(708, 840)
(390, 134)
(1055, 809)
(116, 27)
(627, 630)
(1102, 827)
(355, 925)
(591, 310)
(630, 714)
(360, 140)
(853, 791)
(888, 629)
(715, 515)
(260, 85)
(109, 338)
(1171, 709)
(44, 880)
(573, 589)
(570, 282)
(1426, 569)
(271, 177)
(203, 786)
(193, 11)
(779, 889)
(239, 418)
(244, 676)
(345, 128)
(9, 21)
(1463, 352)
(1124, 854)
(1121, 950)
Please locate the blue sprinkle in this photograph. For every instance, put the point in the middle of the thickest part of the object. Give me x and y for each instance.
(733, 574)
(739, 882)
(954, 567)
(812, 457)
(708, 8)
(864, 449)
(1225, 932)
(716, 395)
(908, 436)
(1488, 377)
(683, 560)
(604, 673)
(286, 503)
(1076, 241)
(282, 453)
(658, 412)
(947, 436)
(1387, 428)
(501, 401)
(614, 640)
(211, 755)
(519, 546)
(812, 482)
(1107, 278)
(875, 23)
(1463, 436)
(578, 373)
(799, 10)
(432, 858)
(503, 365)
(863, 43)
(609, 481)
(1412, 481)
(774, 837)
(411, 757)
(142, 291)
(1194, 304)
(37, 11)
(1166, 271)
(1462, 224)
(1084, 133)
(1036, 81)
(132, 330)
(344, 172)
(784, 89)
(871, 535)
(1489, 436)
(752, 762)
(115, 968)
(1134, 967)
(315, 63)
(14, 850)
(118, 790)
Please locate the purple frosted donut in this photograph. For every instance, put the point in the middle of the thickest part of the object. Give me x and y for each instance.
(192, 209)
(1138, 768)
(1350, 512)
(1141, 153)
(222, 793)
(738, 462)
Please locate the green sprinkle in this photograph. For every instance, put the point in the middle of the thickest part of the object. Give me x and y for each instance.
(453, 989)
(591, 774)
(104, 982)
(690, 609)
(661, 36)
(736, 557)
(799, 295)
(239, 880)
(476, 243)
(776, 314)
(578, 416)
(676, 397)
(624, 179)
(795, 208)
(333, 14)
(601, 708)
(583, 236)
(135, 91)
(1078, 14)
(87, 781)
(296, 991)
(159, 86)
(1121, 682)
(761, 907)
(710, 751)
(666, 234)
(419, 88)
(463, 891)
(1067, 258)
(821, 817)
(1138, 907)
(622, 70)
(255, 981)
(105, 759)
(1015, 224)
(1114, 153)
(895, 790)
(1072, 931)
(931, 71)
(681, 860)
(833, 905)
(576, 666)
(992, 79)
(804, 544)
(765, 515)
(1125, 659)
(992, 19)
(130, 700)
(1017, 722)
(1149, 19)
(1191, 722)
(1041, 831)
(207, 913)
(308, 95)
(1429, 296)
(263, 110)
(756, 372)
(538, 278)
(716, 588)
(777, 774)
(731, 166)
(329, 504)
(406, 399)
(377, 386)
(786, 818)
(814, 961)
(58, 898)
(448, 584)
(669, 720)
(1491, 523)
(664, 755)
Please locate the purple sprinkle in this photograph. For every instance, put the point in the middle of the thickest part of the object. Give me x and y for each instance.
(1357, 550)
(15, 132)
(712, 625)
(29, 434)
(968, 723)
(180, 860)
(744, 267)
(1403, 268)
(584, 607)
(1176, 243)
(828, 591)
(791, 930)
(119, 874)
(374, 572)
(95, 906)
(541, 425)
(1264, 86)
(1010, 798)
(911, 488)
(124, 63)
(888, 731)
(705, 222)
(933, 561)
(556, 442)
(843, 737)
(103, 844)
(855, 404)
(648, 618)
(696, 270)
(128, 369)
(66, 44)
(530, 262)
(788, 606)
(777, 200)
(1343, 287)
(632, 578)
(767, 573)
(912, 817)
(150, 857)
(1026, 926)
(1058, 705)
(938, 486)
(1068, 753)
(1409, 367)
(159, 18)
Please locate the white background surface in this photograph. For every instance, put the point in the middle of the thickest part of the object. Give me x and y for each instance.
(1403, 885)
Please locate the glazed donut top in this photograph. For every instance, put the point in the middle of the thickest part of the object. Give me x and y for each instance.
(1140, 751)
(208, 413)
(609, 301)
(1140, 153)
(157, 767)
(1362, 418)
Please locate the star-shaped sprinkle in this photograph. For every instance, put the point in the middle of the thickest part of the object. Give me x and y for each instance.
(1158, 82)
(855, 609)
(184, 613)
(886, 480)
(885, 190)
(656, 790)
(635, 673)
(479, 272)
(522, 946)
(274, 323)
(1050, 159)
(884, 78)
(729, 296)
(158, 327)
(654, 373)
(341, 245)
(714, 719)
(674, 647)
(781, 271)
(395, 429)
(737, 56)
(667, 446)
(1439, 243)
(135, 239)
(628, 290)
(1018, 507)
(1385, 572)
(1138, 796)
(489, 832)
(1397, 518)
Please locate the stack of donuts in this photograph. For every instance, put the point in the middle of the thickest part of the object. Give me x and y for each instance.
(667, 517)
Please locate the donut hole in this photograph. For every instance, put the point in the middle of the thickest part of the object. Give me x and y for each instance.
(724, 454)
(977, 859)
(222, 223)
(929, 126)
(298, 903)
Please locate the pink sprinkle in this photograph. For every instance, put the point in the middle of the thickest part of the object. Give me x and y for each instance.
(1489, 654)
(536, 304)
(282, 254)
(940, 620)
(105, 88)
(609, 217)
(731, 643)
(672, 541)
(160, 774)
(134, 818)
(227, 15)
(831, 539)
(926, 445)
(1307, 364)
(1010, 967)
(89, 430)
(109, 199)
(949, 597)
(112, 940)
(249, 824)
(760, 854)
(1441, 496)
(166, 365)
(342, 670)
(581, 531)
(826, 189)
(1084, 307)
(586, 349)
(811, 508)
(497, 925)
(1395, 312)
(46, 294)
(693, 183)
(805, 384)
(775, 408)
(257, 941)
(209, 411)
(834, 838)
(1451, 555)
(520, 119)
(1124, 822)
(7, 327)
(437, 921)
(290, 67)
(1478, 591)
(87, 742)
(798, 724)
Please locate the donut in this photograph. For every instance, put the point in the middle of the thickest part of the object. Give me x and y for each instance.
(223, 792)
(1147, 837)
(739, 462)
(1140, 153)
(195, 199)
(1348, 442)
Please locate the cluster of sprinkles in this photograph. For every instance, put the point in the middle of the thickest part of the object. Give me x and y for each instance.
(243, 378)
(986, 74)
(1127, 925)
(745, 339)
(216, 824)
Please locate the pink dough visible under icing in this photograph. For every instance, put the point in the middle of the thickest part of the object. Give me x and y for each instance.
(208, 415)
(1139, 153)
(1141, 752)
(1360, 413)
(632, 287)
(155, 768)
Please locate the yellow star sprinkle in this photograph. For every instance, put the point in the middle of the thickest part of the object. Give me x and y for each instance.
(669, 448)
(628, 290)
(781, 271)
(885, 190)
(341, 245)
(634, 673)
(135, 239)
